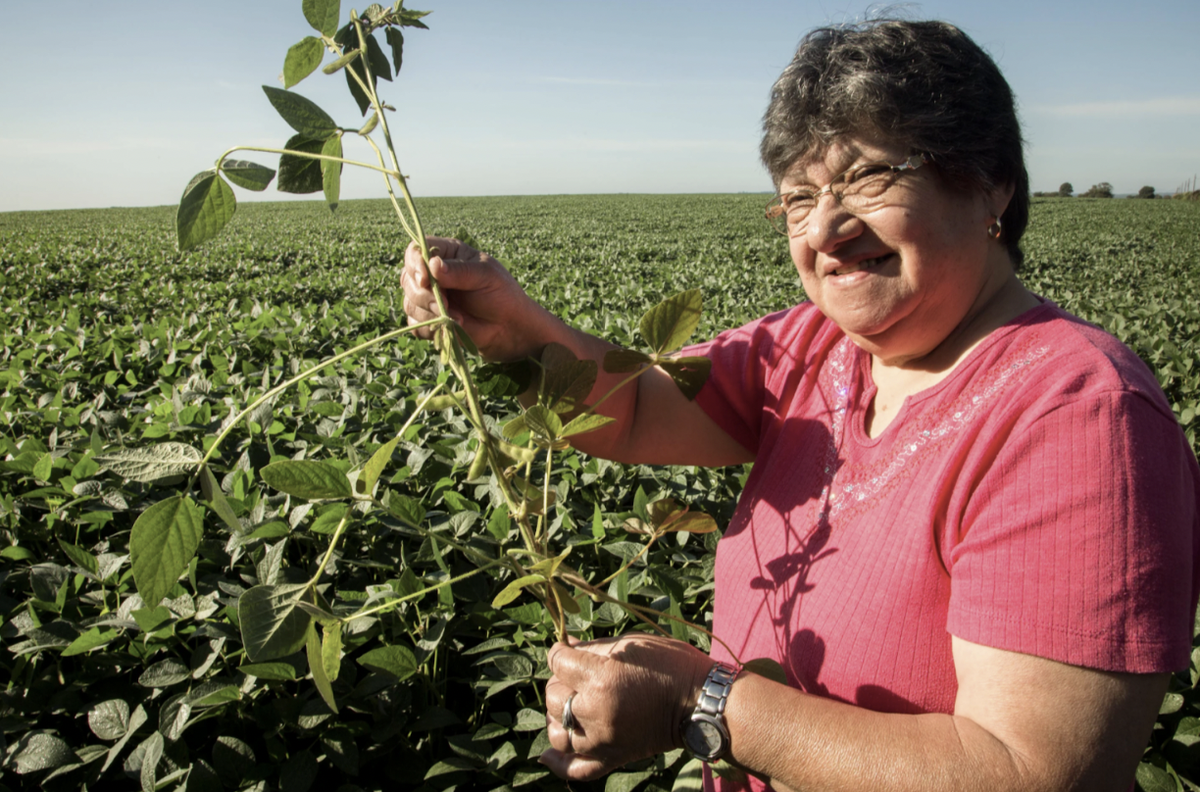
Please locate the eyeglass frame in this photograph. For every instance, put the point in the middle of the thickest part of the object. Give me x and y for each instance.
(912, 162)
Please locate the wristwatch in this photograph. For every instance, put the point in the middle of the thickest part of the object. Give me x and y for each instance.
(705, 734)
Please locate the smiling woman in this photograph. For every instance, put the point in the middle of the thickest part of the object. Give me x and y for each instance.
(971, 537)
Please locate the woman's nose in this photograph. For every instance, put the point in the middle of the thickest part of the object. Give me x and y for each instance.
(829, 224)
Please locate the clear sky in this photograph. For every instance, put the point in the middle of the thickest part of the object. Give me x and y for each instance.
(120, 102)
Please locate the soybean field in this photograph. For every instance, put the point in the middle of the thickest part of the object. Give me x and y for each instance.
(114, 340)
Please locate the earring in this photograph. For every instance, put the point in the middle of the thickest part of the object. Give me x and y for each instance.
(993, 230)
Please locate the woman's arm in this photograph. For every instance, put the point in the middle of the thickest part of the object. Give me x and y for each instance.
(1020, 723)
(655, 423)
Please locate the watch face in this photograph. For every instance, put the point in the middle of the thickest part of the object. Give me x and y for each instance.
(704, 739)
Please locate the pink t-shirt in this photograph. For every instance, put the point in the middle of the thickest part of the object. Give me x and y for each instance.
(1040, 499)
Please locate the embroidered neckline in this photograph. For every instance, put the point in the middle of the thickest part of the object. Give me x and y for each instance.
(859, 486)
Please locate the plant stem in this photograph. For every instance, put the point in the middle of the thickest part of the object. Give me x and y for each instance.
(337, 534)
(394, 602)
(273, 392)
(305, 155)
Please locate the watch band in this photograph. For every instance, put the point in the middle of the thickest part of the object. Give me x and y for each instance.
(706, 734)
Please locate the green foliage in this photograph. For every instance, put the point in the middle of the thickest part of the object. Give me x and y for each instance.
(112, 340)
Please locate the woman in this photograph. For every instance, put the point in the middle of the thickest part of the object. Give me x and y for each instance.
(971, 533)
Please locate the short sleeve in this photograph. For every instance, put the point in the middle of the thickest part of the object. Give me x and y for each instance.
(755, 367)
(1079, 541)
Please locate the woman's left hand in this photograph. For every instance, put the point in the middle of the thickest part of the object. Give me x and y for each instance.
(630, 696)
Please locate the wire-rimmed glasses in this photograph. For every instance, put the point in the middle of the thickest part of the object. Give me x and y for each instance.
(862, 188)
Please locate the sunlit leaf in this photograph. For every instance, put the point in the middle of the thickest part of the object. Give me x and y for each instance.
(514, 589)
(317, 668)
(690, 777)
(248, 174)
(163, 541)
(151, 463)
(89, 640)
(36, 751)
(300, 113)
(302, 59)
(206, 206)
(323, 15)
(692, 522)
(668, 325)
(272, 626)
(307, 479)
(109, 720)
(586, 423)
(375, 465)
(216, 499)
(394, 660)
(80, 557)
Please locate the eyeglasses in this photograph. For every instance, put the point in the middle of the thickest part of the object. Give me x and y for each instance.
(862, 188)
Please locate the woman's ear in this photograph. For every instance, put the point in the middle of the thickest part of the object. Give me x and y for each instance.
(999, 198)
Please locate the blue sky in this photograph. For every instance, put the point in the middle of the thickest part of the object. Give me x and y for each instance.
(120, 102)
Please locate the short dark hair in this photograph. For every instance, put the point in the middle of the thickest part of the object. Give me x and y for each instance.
(923, 85)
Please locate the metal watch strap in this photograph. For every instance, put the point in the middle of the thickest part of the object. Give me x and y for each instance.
(715, 690)
(710, 709)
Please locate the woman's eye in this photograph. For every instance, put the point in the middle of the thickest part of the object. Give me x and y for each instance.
(867, 171)
(798, 199)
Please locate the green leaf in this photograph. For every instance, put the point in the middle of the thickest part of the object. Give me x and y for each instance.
(109, 719)
(597, 522)
(300, 175)
(411, 18)
(44, 467)
(566, 380)
(669, 324)
(280, 672)
(377, 60)
(272, 625)
(206, 206)
(544, 424)
(406, 508)
(514, 589)
(301, 114)
(689, 373)
(80, 557)
(302, 59)
(39, 751)
(331, 172)
(152, 619)
(622, 361)
(327, 521)
(323, 15)
(627, 782)
(360, 96)
(307, 479)
(395, 40)
(248, 174)
(17, 553)
(317, 667)
(394, 660)
(89, 641)
(768, 668)
(691, 522)
(690, 778)
(164, 673)
(216, 500)
(375, 465)
(585, 423)
(1154, 779)
(151, 463)
(331, 651)
(163, 542)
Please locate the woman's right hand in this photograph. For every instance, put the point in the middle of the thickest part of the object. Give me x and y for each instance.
(481, 296)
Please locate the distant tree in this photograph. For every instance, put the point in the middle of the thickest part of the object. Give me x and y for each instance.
(1146, 192)
(1065, 189)
(1101, 190)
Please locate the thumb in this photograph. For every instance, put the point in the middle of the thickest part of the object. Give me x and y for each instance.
(460, 274)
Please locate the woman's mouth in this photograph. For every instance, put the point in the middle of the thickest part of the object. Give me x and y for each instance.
(865, 264)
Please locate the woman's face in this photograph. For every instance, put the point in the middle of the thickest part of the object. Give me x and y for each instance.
(900, 278)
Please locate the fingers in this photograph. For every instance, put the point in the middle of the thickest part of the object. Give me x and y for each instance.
(576, 665)
(573, 766)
